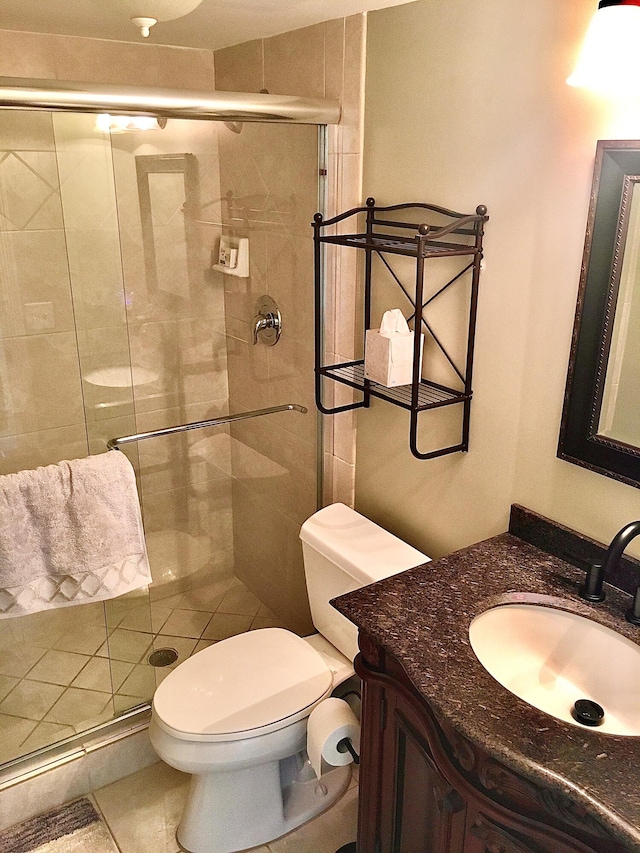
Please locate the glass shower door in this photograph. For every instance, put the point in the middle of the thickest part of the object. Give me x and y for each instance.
(118, 318)
(58, 235)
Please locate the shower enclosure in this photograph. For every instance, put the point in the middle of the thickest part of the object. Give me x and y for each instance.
(117, 317)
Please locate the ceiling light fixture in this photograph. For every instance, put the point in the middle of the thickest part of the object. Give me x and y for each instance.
(146, 13)
(609, 61)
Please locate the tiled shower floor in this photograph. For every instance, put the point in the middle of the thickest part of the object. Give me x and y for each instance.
(55, 676)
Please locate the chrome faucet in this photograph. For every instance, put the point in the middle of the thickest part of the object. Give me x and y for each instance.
(615, 551)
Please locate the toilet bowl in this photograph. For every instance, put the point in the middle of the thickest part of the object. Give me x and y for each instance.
(235, 714)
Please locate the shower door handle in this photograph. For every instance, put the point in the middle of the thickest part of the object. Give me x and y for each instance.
(267, 322)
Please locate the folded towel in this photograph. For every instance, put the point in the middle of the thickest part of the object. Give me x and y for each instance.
(70, 533)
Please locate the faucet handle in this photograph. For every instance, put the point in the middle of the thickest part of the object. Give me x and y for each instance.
(591, 589)
(267, 322)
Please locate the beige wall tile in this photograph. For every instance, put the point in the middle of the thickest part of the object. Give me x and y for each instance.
(101, 61)
(350, 170)
(269, 558)
(96, 273)
(24, 130)
(343, 482)
(334, 58)
(248, 369)
(327, 477)
(27, 189)
(290, 283)
(181, 68)
(40, 375)
(291, 380)
(294, 62)
(187, 359)
(101, 431)
(120, 759)
(85, 168)
(35, 295)
(44, 791)
(353, 91)
(27, 55)
(240, 68)
(346, 345)
(190, 459)
(106, 373)
(276, 464)
(344, 436)
(44, 447)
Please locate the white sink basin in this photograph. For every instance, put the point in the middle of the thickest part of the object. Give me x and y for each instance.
(551, 658)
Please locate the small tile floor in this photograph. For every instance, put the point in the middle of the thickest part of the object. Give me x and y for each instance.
(142, 813)
(65, 670)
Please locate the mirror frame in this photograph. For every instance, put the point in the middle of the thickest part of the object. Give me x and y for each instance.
(617, 163)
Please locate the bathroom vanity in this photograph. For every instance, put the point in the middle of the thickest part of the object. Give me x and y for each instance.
(452, 762)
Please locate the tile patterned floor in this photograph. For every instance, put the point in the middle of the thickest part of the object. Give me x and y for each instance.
(142, 812)
(65, 670)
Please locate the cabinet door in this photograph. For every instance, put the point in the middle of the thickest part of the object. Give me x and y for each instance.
(420, 812)
(487, 834)
(413, 799)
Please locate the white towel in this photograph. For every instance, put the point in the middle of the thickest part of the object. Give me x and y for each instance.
(70, 533)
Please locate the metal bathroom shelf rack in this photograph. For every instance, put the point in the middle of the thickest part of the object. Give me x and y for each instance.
(384, 236)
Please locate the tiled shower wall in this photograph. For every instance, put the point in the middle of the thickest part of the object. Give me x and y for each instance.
(326, 60)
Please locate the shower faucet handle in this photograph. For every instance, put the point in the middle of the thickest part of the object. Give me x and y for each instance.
(267, 322)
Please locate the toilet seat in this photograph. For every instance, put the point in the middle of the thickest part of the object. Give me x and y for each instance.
(242, 687)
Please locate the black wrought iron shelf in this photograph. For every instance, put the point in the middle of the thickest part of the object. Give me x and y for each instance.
(423, 244)
(399, 245)
(430, 394)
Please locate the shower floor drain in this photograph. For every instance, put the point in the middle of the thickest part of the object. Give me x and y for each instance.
(163, 657)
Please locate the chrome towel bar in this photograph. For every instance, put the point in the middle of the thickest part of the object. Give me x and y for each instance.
(114, 443)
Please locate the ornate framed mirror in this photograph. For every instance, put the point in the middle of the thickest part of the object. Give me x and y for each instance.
(601, 418)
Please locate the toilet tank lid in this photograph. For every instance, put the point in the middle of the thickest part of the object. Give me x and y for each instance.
(362, 548)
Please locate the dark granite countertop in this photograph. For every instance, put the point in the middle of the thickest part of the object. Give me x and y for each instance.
(422, 618)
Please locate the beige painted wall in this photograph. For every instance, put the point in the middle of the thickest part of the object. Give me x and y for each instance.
(466, 104)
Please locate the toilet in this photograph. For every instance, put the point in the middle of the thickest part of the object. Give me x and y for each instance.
(235, 714)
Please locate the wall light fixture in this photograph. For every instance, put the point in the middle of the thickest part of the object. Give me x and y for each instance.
(610, 58)
(106, 123)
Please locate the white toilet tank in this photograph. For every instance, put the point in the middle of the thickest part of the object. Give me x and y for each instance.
(344, 551)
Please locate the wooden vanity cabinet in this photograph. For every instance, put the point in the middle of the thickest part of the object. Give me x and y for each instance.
(426, 789)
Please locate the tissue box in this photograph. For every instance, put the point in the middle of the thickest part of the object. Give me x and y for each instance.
(388, 358)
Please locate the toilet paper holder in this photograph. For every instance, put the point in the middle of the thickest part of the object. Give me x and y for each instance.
(346, 745)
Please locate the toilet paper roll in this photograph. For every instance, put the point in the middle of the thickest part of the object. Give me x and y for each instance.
(330, 722)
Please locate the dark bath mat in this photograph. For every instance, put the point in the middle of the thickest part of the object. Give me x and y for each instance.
(73, 827)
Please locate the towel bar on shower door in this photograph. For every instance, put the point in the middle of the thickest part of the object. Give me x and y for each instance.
(114, 443)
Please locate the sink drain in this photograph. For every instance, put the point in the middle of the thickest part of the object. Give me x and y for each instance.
(588, 713)
(163, 657)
